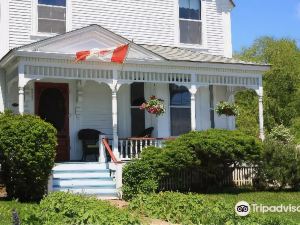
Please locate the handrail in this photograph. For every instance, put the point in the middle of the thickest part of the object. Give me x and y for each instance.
(147, 139)
(110, 152)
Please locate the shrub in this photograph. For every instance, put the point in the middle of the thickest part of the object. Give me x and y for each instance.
(279, 166)
(282, 134)
(61, 208)
(138, 177)
(28, 145)
(210, 152)
(195, 209)
(216, 147)
(296, 129)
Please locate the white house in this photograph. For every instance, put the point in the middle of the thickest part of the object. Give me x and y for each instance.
(180, 51)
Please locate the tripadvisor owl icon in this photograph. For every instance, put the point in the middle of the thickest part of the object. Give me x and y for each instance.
(242, 208)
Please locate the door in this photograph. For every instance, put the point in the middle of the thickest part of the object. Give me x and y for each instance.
(52, 105)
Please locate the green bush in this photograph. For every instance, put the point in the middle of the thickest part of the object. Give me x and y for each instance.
(279, 166)
(28, 145)
(61, 208)
(296, 129)
(196, 209)
(282, 134)
(138, 177)
(217, 147)
(211, 152)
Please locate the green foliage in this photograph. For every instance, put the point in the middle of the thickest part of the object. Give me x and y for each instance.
(216, 147)
(209, 151)
(281, 82)
(143, 175)
(280, 165)
(138, 177)
(247, 120)
(282, 134)
(227, 109)
(64, 208)
(28, 145)
(195, 209)
(295, 129)
(6, 208)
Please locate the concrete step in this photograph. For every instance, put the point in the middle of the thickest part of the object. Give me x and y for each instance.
(80, 166)
(89, 191)
(83, 181)
(84, 178)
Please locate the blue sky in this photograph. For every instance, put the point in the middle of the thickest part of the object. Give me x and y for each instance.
(255, 18)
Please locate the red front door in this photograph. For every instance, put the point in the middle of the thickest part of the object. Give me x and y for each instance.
(52, 105)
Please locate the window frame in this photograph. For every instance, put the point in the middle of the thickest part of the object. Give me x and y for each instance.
(177, 106)
(35, 34)
(203, 44)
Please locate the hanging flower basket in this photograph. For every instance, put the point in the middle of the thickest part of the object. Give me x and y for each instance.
(227, 109)
(154, 106)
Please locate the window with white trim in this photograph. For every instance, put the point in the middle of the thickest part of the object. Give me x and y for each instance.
(51, 16)
(190, 23)
(180, 107)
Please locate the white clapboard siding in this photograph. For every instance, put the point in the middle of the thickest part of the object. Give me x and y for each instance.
(144, 21)
(150, 21)
(214, 26)
(20, 22)
(97, 107)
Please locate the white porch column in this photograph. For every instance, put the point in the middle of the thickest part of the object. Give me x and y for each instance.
(259, 92)
(115, 122)
(230, 119)
(21, 84)
(21, 100)
(2, 90)
(261, 116)
(193, 91)
(115, 87)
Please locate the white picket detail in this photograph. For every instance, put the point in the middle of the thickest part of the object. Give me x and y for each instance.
(131, 148)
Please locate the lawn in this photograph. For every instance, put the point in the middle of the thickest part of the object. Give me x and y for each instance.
(265, 198)
(6, 208)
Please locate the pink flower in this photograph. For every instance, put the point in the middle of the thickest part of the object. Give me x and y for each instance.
(143, 106)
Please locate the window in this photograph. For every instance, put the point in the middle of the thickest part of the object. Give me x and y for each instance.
(180, 106)
(190, 24)
(52, 16)
(137, 115)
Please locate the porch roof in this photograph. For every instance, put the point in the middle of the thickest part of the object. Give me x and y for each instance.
(183, 54)
(168, 55)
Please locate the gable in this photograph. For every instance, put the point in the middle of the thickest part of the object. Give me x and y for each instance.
(91, 37)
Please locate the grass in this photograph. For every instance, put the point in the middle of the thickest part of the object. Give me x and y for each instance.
(6, 208)
(265, 198)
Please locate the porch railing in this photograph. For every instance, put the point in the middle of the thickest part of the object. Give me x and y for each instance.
(131, 148)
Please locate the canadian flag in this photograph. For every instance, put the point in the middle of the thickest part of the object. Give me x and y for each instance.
(116, 54)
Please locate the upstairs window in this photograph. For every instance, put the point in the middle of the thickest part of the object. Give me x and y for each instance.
(52, 16)
(190, 24)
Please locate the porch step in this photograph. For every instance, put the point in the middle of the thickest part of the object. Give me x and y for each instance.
(84, 178)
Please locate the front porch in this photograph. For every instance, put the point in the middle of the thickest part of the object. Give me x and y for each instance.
(110, 106)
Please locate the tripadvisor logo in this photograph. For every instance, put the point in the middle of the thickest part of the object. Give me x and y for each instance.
(242, 208)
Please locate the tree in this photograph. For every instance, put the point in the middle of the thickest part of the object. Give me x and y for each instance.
(281, 82)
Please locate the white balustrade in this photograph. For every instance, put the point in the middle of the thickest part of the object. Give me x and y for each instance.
(131, 148)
